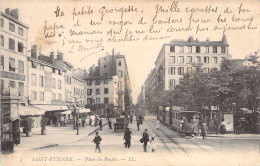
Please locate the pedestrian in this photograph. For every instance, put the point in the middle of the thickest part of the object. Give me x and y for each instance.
(153, 144)
(97, 141)
(83, 122)
(145, 139)
(109, 124)
(157, 124)
(100, 124)
(96, 121)
(16, 132)
(131, 119)
(90, 121)
(127, 137)
(138, 123)
(204, 130)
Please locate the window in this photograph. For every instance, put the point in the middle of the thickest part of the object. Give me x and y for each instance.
(172, 83)
(11, 27)
(41, 81)
(59, 84)
(54, 83)
(2, 22)
(105, 81)
(34, 96)
(20, 31)
(119, 85)
(53, 70)
(206, 59)
(189, 69)
(41, 96)
(181, 49)
(189, 59)
(215, 60)
(172, 48)
(21, 88)
(172, 59)
(97, 100)
(59, 97)
(119, 63)
(89, 92)
(20, 47)
(20, 67)
(171, 70)
(59, 72)
(206, 49)
(33, 80)
(215, 49)
(223, 50)
(12, 66)
(190, 49)
(97, 82)
(2, 41)
(180, 71)
(198, 49)
(12, 84)
(106, 91)
(2, 87)
(89, 82)
(97, 92)
(53, 96)
(89, 101)
(11, 44)
(2, 62)
(106, 100)
(120, 73)
(198, 58)
(206, 69)
(180, 59)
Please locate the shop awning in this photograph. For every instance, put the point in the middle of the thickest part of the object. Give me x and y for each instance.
(49, 107)
(30, 111)
(84, 110)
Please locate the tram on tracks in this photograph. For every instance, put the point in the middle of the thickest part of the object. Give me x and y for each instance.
(184, 121)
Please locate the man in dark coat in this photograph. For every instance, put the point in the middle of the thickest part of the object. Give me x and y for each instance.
(127, 137)
(145, 139)
(138, 123)
(97, 141)
(109, 124)
(100, 124)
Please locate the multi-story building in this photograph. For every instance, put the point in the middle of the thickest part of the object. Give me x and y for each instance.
(179, 57)
(110, 78)
(13, 64)
(78, 86)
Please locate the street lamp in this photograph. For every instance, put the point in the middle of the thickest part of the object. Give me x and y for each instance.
(77, 110)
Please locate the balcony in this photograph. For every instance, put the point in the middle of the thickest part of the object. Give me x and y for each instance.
(197, 64)
(13, 76)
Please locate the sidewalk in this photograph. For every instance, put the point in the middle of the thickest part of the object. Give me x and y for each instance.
(54, 136)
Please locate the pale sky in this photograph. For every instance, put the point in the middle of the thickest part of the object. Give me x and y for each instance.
(140, 55)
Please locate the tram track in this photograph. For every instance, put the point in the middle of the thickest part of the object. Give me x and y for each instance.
(168, 137)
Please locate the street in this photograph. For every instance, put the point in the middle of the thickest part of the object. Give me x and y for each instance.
(171, 149)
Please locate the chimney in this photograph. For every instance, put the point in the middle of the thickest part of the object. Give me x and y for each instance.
(224, 39)
(60, 56)
(34, 52)
(190, 39)
(14, 13)
(7, 11)
(52, 57)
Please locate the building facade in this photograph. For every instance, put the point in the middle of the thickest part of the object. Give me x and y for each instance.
(179, 57)
(13, 64)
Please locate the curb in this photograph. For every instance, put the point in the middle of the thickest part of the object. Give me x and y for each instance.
(53, 145)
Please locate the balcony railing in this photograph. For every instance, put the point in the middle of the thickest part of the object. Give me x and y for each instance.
(197, 64)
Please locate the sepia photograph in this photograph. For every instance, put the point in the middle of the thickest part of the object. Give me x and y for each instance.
(128, 82)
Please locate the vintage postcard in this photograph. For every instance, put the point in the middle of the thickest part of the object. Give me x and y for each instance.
(167, 82)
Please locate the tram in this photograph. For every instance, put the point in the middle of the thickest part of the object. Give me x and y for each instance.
(183, 121)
